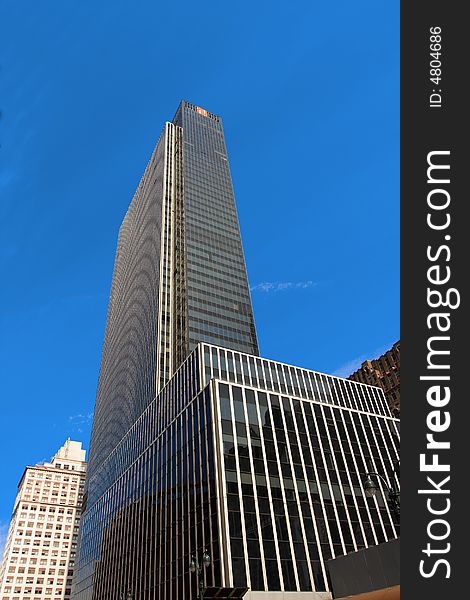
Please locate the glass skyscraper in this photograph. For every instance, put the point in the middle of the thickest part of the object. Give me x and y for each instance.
(179, 275)
(199, 444)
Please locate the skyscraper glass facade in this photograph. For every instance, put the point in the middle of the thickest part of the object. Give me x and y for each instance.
(179, 275)
(197, 442)
(259, 462)
(217, 294)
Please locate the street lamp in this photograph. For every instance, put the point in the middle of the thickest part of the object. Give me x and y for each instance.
(197, 567)
(371, 489)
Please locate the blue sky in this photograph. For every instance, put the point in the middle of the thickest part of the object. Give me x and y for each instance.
(309, 96)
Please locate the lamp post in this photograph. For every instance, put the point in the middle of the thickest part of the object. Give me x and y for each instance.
(393, 492)
(196, 566)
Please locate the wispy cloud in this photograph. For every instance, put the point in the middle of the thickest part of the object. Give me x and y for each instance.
(80, 416)
(280, 286)
(80, 421)
(348, 368)
(352, 365)
(3, 536)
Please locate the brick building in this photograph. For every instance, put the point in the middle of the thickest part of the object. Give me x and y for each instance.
(383, 372)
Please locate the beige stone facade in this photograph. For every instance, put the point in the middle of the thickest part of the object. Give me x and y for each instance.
(39, 557)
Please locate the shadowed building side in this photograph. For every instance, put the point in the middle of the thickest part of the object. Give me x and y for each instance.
(129, 357)
(216, 290)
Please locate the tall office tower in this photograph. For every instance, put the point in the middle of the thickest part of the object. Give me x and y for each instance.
(199, 444)
(39, 557)
(179, 275)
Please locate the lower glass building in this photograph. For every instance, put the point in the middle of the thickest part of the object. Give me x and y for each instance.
(259, 463)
